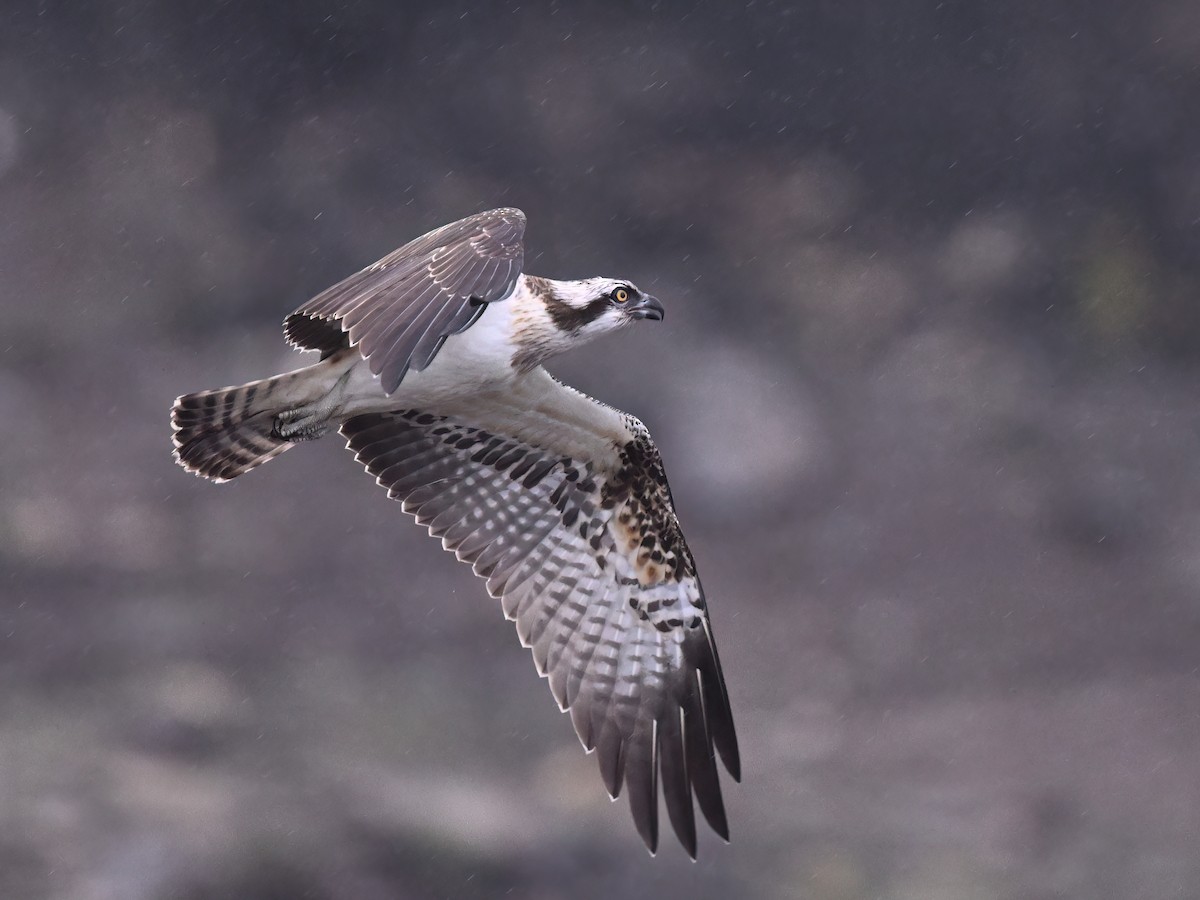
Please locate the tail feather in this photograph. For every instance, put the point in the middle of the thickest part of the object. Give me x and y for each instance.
(224, 433)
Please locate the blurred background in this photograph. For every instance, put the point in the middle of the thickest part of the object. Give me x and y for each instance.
(926, 390)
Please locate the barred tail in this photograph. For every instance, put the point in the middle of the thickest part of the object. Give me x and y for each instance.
(221, 434)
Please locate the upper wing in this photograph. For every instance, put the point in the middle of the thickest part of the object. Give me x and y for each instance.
(400, 310)
(587, 557)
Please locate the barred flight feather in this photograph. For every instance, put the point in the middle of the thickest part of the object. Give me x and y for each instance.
(586, 557)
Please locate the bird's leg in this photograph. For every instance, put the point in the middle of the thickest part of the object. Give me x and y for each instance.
(312, 420)
(303, 424)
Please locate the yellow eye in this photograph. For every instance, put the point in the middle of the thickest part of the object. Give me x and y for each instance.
(620, 295)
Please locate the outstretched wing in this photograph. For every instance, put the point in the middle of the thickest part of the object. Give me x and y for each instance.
(586, 556)
(400, 310)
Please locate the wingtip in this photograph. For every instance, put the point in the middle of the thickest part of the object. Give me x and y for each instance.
(651, 842)
(727, 746)
(733, 764)
(582, 723)
(723, 831)
(690, 850)
(714, 815)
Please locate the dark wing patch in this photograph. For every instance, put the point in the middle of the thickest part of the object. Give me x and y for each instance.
(400, 310)
(632, 658)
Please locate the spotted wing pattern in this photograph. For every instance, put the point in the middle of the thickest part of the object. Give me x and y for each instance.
(400, 310)
(587, 558)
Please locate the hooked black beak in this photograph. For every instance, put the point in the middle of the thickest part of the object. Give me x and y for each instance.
(647, 308)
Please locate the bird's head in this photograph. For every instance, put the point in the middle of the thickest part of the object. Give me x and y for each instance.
(594, 306)
(561, 315)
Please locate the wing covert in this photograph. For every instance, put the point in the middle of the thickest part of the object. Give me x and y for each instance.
(400, 310)
(587, 559)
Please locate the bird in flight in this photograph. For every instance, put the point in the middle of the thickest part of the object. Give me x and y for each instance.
(431, 368)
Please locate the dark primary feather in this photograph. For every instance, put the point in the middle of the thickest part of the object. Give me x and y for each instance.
(640, 678)
(400, 310)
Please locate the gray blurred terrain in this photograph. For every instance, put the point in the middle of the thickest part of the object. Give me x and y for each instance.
(927, 392)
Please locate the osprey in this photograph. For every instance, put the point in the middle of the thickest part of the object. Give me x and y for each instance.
(431, 367)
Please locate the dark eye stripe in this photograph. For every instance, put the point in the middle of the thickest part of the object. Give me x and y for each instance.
(568, 318)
